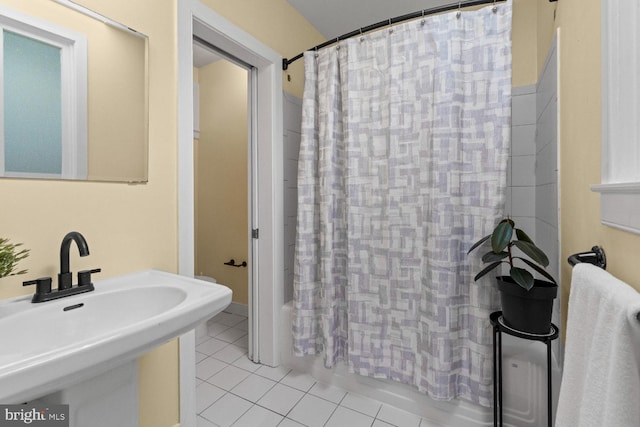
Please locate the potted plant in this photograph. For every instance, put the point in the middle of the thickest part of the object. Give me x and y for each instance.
(527, 302)
(10, 255)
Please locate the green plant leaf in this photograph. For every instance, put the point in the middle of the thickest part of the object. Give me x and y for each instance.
(522, 277)
(487, 269)
(478, 243)
(501, 235)
(493, 257)
(523, 236)
(533, 252)
(538, 269)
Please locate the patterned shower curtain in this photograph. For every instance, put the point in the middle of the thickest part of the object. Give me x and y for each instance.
(402, 166)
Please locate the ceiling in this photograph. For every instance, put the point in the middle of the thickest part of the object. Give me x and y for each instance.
(334, 18)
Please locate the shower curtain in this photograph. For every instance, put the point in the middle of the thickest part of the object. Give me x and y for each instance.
(405, 141)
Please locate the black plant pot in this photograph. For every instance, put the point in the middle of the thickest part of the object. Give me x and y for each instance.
(527, 311)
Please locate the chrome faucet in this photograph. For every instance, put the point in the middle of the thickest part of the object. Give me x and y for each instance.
(65, 283)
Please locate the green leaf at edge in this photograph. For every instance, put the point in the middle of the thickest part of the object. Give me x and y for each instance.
(501, 236)
(522, 277)
(534, 252)
(538, 269)
(493, 257)
(523, 236)
(487, 269)
(478, 243)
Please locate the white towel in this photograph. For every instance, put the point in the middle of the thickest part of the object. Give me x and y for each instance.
(601, 380)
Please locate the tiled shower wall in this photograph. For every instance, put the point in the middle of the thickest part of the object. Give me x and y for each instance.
(521, 179)
(292, 123)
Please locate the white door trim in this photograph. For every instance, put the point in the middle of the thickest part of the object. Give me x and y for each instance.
(193, 16)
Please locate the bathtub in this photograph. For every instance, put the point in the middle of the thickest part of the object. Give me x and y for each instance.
(524, 385)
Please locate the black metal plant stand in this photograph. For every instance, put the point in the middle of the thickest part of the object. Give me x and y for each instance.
(499, 327)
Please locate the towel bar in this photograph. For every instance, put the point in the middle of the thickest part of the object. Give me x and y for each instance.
(596, 257)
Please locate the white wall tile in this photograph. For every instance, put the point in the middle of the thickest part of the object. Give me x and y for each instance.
(523, 140)
(523, 201)
(527, 224)
(548, 126)
(523, 110)
(547, 204)
(523, 171)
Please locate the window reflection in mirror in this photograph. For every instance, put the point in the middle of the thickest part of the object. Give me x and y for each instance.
(73, 94)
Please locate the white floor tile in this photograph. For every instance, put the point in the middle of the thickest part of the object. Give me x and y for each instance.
(253, 387)
(226, 410)
(200, 357)
(281, 399)
(312, 411)
(346, 417)
(214, 329)
(230, 335)
(287, 422)
(428, 423)
(258, 416)
(203, 422)
(230, 353)
(275, 374)
(398, 417)
(328, 392)
(229, 319)
(208, 367)
(361, 404)
(229, 377)
(302, 382)
(246, 364)
(380, 423)
(244, 325)
(242, 342)
(206, 395)
(202, 338)
(212, 345)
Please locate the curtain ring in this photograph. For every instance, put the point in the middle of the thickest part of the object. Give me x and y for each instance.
(361, 36)
(458, 13)
(390, 29)
(495, 8)
(422, 22)
(317, 52)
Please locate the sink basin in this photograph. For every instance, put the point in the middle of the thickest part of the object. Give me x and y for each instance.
(52, 345)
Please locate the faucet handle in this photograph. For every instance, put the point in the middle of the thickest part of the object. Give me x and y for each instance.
(84, 276)
(43, 285)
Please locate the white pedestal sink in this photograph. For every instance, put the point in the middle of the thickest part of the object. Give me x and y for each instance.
(82, 350)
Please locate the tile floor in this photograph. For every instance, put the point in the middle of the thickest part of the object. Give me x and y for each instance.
(233, 391)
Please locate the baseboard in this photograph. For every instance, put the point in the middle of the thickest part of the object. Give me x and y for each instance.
(237, 308)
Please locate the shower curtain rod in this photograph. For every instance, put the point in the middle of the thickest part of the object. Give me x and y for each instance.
(391, 21)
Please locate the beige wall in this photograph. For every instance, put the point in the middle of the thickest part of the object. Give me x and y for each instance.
(221, 178)
(523, 39)
(580, 137)
(276, 24)
(128, 227)
(134, 227)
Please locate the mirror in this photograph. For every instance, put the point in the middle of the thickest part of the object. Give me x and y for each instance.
(74, 94)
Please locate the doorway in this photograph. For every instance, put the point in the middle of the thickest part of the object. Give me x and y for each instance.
(223, 140)
(194, 18)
